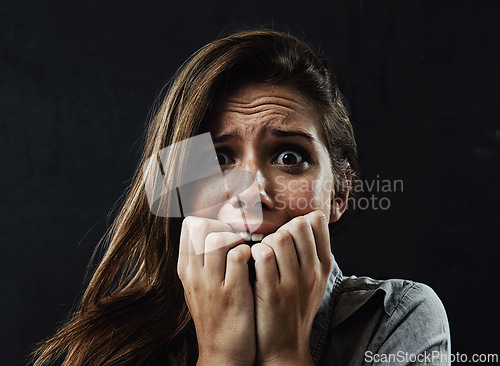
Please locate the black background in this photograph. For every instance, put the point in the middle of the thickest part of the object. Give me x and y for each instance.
(78, 80)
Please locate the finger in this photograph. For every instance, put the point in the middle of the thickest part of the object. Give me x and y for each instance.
(286, 256)
(199, 228)
(319, 224)
(184, 248)
(303, 238)
(217, 246)
(237, 266)
(266, 269)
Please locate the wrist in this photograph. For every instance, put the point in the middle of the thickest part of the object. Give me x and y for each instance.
(217, 360)
(288, 359)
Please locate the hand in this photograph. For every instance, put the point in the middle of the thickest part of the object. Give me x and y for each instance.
(291, 267)
(213, 268)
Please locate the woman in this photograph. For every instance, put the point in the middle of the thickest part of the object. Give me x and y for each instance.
(248, 279)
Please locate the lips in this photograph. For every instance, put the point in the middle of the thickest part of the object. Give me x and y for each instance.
(251, 236)
(256, 228)
(253, 232)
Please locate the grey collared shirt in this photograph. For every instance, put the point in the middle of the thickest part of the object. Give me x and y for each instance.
(362, 321)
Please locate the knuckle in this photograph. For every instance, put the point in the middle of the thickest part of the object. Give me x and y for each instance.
(182, 268)
(198, 224)
(237, 255)
(216, 240)
(328, 264)
(313, 277)
(181, 272)
(213, 241)
(192, 283)
(282, 237)
(186, 222)
(300, 222)
(263, 252)
(318, 217)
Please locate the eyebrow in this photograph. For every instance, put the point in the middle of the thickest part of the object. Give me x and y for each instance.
(293, 133)
(275, 132)
(222, 138)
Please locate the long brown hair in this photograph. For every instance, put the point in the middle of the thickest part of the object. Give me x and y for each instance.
(133, 310)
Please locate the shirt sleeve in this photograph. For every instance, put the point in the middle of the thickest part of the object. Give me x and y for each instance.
(416, 333)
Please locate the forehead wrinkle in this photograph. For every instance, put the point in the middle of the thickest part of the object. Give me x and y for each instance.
(266, 99)
(257, 109)
(261, 108)
(255, 105)
(250, 128)
(233, 122)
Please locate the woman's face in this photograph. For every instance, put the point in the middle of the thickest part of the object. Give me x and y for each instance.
(273, 133)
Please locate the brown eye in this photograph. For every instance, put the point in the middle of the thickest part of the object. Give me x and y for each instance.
(289, 158)
(222, 158)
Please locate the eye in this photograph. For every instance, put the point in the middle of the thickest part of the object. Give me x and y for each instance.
(223, 158)
(289, 157)
(293, 159)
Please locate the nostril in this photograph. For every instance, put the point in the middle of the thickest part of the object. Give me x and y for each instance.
(260, 204)
(239, 204)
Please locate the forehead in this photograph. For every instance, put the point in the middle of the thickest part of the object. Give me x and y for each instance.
(255, 108)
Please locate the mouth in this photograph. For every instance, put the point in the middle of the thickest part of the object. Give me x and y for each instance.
(251, 237)
(253, 233)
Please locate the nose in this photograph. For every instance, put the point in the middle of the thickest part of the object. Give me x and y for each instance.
(254, 197)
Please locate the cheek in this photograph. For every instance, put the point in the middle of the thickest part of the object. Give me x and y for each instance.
(202, 201)
(300, 197)
(209, 212)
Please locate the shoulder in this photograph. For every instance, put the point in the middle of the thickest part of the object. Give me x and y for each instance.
(397, 294)
(396, 297)
(413, 297)
(386, 317)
